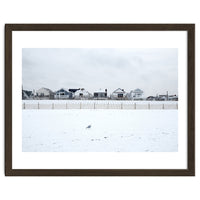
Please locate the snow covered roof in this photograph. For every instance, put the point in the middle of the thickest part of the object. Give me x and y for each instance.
(73, 90)
(82, 90)
(64, 90)
(43, 88)
(138, 91)
(100, 91)
(119, 90)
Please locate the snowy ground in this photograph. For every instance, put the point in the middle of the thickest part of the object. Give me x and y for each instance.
(111, 130)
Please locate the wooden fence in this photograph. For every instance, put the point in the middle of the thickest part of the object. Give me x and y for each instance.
(131, 106)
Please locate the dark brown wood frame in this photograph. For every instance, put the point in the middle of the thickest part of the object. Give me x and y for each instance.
(190, 171)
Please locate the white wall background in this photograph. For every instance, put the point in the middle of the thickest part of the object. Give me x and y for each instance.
(104, 11)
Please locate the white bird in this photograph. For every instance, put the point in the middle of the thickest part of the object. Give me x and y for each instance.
(89, 126)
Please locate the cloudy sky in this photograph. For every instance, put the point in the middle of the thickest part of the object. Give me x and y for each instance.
(155, 71)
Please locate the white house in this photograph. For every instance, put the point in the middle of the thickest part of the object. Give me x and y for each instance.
(119, 94)
(100, 94)
(82, 94)
(136, 94)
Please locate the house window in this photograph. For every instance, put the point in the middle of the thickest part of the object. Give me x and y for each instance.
(81, 94)
(102, 95)
(120, 95)
(95, 94)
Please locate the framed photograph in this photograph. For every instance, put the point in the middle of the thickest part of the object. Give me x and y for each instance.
(99, 100)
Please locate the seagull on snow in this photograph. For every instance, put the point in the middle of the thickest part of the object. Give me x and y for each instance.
(89, 126)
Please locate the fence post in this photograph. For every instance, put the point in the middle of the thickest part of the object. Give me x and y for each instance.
(52, 105)
(80, 105)
(163, 106)
(108, 105)
(24, 106)
(149, 106)
(177, 106)
(66, 105)
(94, 105)
(135, 106)
(121, 106)
(38, 105)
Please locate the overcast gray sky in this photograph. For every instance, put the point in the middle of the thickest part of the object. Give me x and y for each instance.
(155, 71)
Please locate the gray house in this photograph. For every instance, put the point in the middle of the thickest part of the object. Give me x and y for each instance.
(27, 95)
(173, 98)
(44, 93)
(63, 94)
(151, 98)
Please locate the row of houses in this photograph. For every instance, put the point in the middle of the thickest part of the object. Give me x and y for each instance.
(81, 93)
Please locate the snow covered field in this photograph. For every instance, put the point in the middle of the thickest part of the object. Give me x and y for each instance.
(110, 131)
